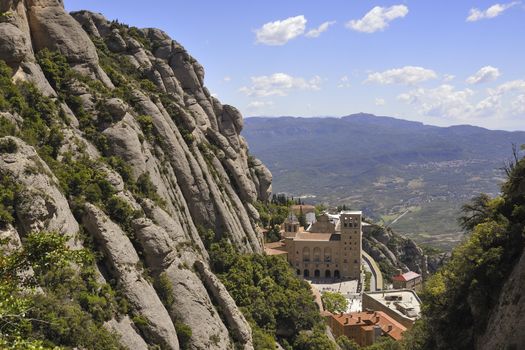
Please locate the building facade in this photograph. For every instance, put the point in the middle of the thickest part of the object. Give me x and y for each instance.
(404, 305)
(330, 248)
(408, 280)
(365, 328)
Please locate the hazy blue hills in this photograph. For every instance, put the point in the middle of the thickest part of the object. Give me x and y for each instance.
(384, 166)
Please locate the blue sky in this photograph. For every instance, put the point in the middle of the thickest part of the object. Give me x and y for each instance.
(440, 62)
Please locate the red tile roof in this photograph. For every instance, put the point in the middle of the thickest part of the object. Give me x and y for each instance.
(408, 276)
(368, 319)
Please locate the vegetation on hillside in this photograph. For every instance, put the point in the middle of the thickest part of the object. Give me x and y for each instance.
(277, 304)
(50, 296)
(457, 300)
(63, 304)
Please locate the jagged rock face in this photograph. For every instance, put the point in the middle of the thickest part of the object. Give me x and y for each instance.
(507, 321)
(42, 206)
(399, 252)
(193, 155)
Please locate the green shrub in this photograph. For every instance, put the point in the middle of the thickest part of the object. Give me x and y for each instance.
(9, 190)
(55, 67)
(207, 236)
(144, 188)
(334, 302)
(313, 340)
(83, 178)
(121, 212)
(121, 167)
(346, 343)
(146, 124)
(164, 289)
(261, 339)
(8, 146)
(183, 334)
(54, 314)
(7, 128)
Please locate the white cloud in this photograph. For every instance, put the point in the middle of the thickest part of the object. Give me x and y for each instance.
(227, 79)
(380, 102)
(509, 86)
(344, 82)
(315, 33)
(279, 84)
(443, 101)
(405, 75)
(448, 77)
(506, 100)
(491, 12)
(258, 105)
(378, 18)
(280, 32)
(485, 74)
(518, 105)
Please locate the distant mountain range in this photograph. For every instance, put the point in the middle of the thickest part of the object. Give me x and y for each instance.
(384, 166)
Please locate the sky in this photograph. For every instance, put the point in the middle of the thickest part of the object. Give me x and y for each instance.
(443, 62)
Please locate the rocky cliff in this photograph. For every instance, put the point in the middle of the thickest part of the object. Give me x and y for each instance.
(507, 320)
(393, 252)
(130, 106)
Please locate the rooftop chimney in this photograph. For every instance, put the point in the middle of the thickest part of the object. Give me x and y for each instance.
(346, 320)
(390, 327)
(359, 319)
(377, 319)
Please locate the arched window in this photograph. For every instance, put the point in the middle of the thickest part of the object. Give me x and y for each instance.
(298, 272)
(327, 254)
(306, 273)
(337, 274)
(317, 254)
(317, 273)
(306, 254)
(327, 274)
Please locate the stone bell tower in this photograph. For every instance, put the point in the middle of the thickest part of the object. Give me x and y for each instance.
(351, 243)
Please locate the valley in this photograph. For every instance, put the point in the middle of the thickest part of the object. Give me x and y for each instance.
(385, 167)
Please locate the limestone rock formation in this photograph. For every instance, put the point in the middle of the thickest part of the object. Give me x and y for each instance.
(394, 251)
(507, 321)
(135, 99)
(42, 207)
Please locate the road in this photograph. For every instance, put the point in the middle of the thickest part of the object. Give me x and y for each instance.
(376, 281)
(399, 217)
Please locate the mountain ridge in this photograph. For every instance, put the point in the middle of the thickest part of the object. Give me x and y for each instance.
(365, 116)
(373, 163)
